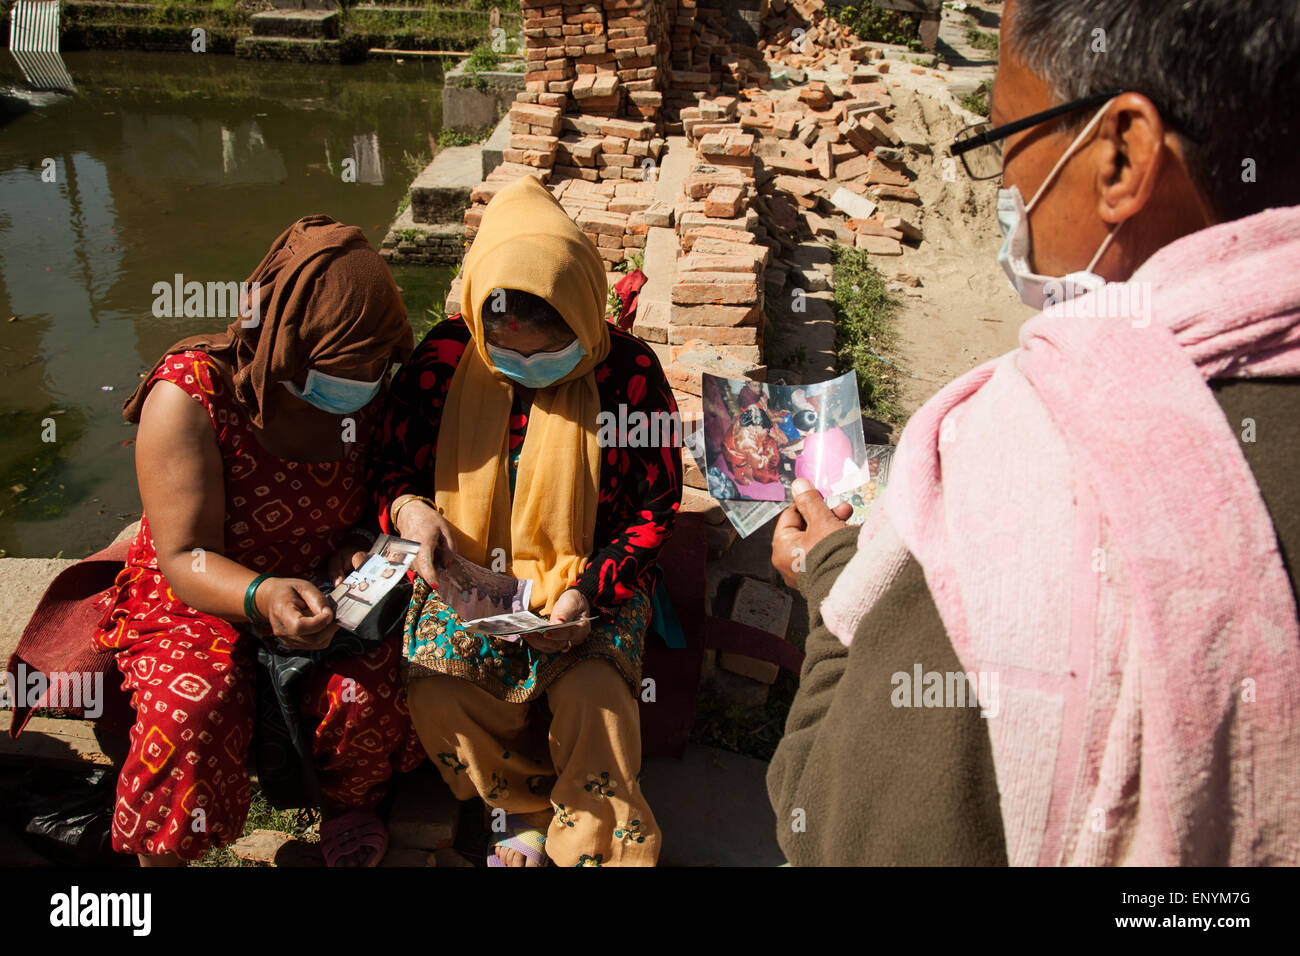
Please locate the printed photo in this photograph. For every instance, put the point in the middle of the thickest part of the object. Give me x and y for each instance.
(759, 438)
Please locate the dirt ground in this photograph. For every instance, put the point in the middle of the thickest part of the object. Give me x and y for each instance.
(965, 311)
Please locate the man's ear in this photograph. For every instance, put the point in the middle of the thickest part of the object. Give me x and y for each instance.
(1131, 151)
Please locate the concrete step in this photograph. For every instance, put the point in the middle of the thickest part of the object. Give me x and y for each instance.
(303, 24)
(306, 4)
(713, 809)
(441, 192)
(300, 50)
(494, 146)
(423, 243)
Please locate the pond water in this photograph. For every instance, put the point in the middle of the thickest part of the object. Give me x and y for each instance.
(164, 164)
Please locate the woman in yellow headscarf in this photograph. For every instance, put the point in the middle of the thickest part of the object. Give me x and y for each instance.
(530, 436)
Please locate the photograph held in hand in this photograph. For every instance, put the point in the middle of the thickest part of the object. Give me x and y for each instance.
(491, 603)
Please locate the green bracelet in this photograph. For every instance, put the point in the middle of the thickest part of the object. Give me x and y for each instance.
(250, 606)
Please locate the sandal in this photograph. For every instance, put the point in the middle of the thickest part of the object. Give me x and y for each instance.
(528, 840)
(355, 830)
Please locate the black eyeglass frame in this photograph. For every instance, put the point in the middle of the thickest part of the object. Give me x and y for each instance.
(961, 146)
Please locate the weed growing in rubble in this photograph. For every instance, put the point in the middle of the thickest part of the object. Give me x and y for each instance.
(981, 40)
(865, 332)
(978, 102)
(414, 163)
(869, 22)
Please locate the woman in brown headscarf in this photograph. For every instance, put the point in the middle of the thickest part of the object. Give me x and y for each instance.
(250, 459)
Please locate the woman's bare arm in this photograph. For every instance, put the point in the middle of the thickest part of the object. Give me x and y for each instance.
(182, 488)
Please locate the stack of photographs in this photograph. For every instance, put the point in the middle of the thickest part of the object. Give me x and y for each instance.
(757, 439)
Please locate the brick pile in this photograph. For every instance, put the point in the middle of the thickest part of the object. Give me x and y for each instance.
(589, 122)
(799, 34)
(606, 57)
(834, 165)
(705, 62)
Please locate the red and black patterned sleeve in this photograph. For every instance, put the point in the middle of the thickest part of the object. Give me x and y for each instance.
(401, 459)
(640, 475)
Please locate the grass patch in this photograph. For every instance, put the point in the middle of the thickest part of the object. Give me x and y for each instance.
(871, 23)
(865, 313)
(263, 816)
(981, 40)
(754, 732)
(453, 137)
(425, 27)
(414, 163)
(978, 102)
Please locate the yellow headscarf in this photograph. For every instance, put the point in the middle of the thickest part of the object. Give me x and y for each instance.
(526, 241)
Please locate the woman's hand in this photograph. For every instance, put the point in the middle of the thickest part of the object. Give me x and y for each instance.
(346, 560)
(571, 606)
(420, 523)
(299, 614)
(801, 526)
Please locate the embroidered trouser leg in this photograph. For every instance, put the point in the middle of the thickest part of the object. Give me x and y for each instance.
(601, 816)
(364, 732)
(586, 785)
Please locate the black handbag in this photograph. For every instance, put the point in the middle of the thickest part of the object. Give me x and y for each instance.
(282, 747)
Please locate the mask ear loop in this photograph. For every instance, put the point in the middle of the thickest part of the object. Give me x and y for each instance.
(1060, 164)
(1065, 157)
(1101, 251)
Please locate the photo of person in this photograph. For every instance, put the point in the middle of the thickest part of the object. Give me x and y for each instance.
(369, 584)
(759, 438)
(473, 592)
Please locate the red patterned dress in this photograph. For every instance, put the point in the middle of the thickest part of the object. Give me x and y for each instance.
(191, 675)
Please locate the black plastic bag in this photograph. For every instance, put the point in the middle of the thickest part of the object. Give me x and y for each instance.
(65, 815)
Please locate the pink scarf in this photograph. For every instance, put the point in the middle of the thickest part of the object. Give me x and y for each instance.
(1091, 533)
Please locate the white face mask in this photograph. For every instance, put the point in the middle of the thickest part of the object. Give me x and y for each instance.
(1035, 290)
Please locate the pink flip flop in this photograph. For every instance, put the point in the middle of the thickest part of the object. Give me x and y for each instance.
(355, 830)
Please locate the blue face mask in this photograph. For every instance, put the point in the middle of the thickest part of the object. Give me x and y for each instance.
(538, 370)
(339, 396)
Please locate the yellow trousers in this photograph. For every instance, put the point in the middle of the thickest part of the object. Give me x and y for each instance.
(585, 796)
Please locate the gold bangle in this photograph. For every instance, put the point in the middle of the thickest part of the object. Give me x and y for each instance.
(405, 500)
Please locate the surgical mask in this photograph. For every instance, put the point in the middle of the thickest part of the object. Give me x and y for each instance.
(339, 396)
(540, 369)
(1035, 290)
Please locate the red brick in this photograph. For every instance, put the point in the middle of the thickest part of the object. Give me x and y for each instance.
(713, 314)
(879, 245)
(882, 132)
(715, 288)
(698, 261)
(713, 334)
(723, 202)
(852, 168)
(760, 254)
(602, 223)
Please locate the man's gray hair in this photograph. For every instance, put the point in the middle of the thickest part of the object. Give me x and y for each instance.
(1224, 74)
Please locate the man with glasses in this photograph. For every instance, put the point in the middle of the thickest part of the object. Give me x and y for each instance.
(1068, 633)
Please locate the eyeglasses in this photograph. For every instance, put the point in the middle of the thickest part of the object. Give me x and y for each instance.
(980, 146)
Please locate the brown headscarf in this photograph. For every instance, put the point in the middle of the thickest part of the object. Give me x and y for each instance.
(327, 301)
